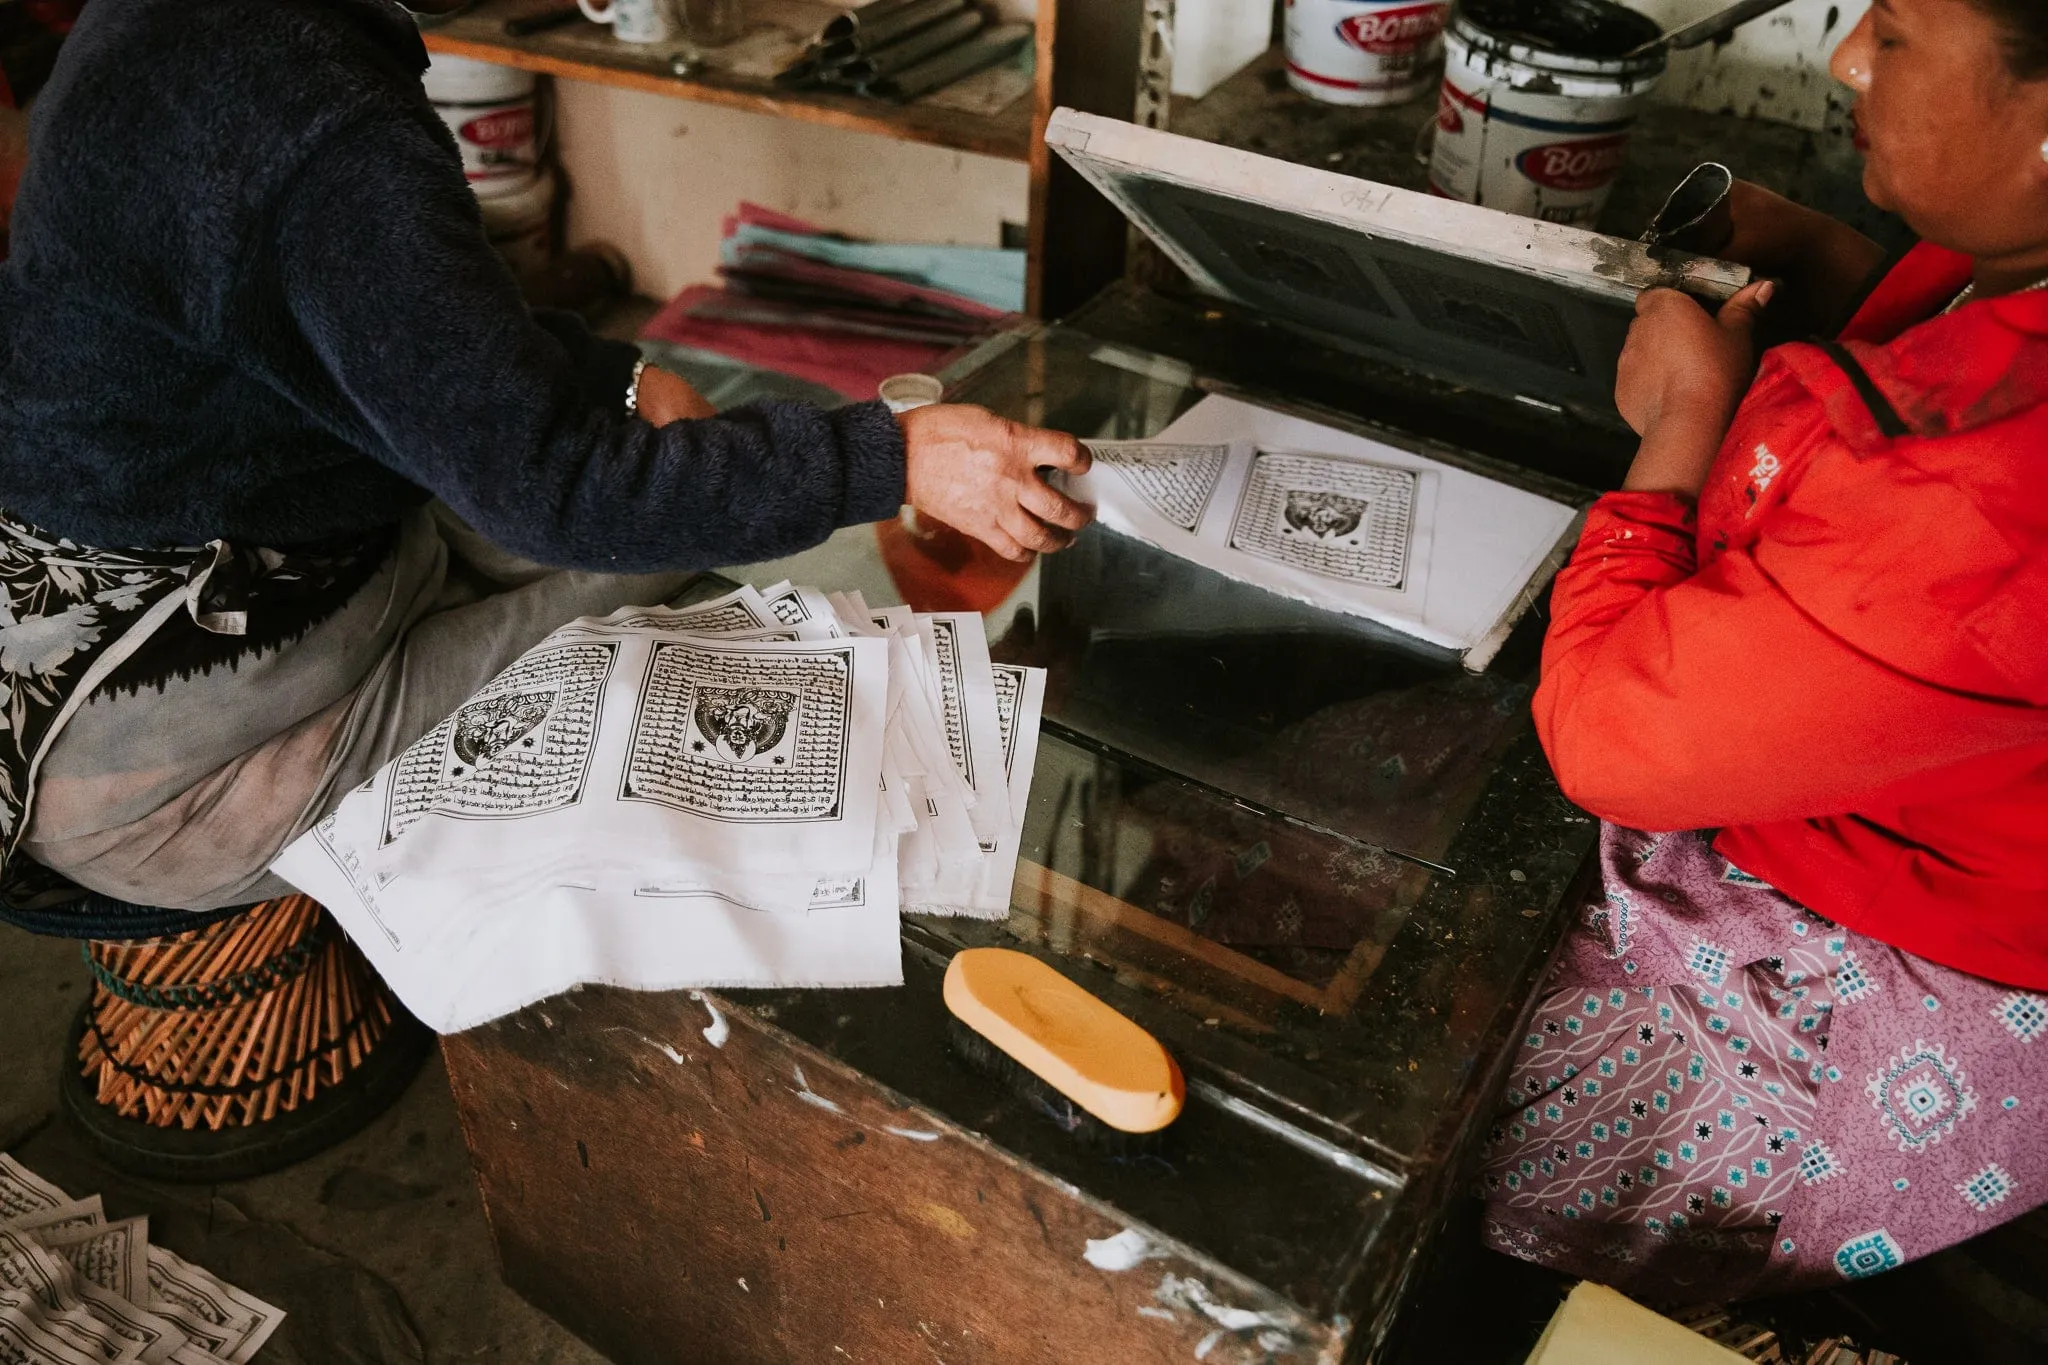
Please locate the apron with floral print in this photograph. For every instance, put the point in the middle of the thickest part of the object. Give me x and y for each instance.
(75, 619)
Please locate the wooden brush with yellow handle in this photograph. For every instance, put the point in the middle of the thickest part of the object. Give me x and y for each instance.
(1085, 1066)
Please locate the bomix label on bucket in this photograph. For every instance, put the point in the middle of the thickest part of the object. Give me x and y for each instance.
(1585, 165)
(502, 127)
(1363, 51)
(1408, 30)
(1533, 130)
(497, 141)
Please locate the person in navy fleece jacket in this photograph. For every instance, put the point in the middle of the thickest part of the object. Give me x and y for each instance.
(250, 297)
(250, 300)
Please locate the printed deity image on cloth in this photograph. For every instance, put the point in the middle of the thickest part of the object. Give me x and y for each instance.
(1327, 515)
(485, 729)
(744, 725)
(522, 746)
(1336, 518)
(765, 743)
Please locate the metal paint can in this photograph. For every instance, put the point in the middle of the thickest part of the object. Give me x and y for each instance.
(1537, 103)
(1364, 51)
(491, 111)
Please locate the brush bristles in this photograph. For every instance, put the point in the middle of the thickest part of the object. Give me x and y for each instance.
(1084, 1128)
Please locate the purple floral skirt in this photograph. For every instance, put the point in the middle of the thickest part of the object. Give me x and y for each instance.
(1723, 1095)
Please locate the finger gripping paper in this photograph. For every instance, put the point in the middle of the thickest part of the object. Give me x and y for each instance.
(756, 739)
(1339, 518)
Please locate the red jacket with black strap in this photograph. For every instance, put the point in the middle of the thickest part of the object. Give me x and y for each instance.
(1839, 657)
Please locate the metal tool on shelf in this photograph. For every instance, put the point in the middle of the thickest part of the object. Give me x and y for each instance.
(902, 49)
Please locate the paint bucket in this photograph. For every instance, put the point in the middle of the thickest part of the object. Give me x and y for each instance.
(521, 224)
(1363, 51)
(492, 112)
(1537, 103)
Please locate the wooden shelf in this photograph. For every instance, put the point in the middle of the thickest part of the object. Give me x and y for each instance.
(988, 113)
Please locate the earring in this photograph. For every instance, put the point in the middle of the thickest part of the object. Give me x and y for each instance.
(2044, 150)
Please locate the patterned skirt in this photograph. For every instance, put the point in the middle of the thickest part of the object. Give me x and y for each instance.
(1724, 1095)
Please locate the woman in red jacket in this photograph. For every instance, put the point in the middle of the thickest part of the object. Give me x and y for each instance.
(1807, 1038)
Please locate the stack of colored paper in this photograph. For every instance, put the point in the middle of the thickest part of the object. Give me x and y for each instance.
(840, 312)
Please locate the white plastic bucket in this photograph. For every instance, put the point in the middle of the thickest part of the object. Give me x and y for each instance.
(1363, 51)
(521, 224)
(1532, 129)
(493, 112)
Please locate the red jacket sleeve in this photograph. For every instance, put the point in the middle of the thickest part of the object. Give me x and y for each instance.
(1674, 699)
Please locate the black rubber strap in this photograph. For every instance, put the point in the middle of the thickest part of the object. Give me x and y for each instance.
(261, 979)
(1881, 410)
(242, 1090)
(114, 921)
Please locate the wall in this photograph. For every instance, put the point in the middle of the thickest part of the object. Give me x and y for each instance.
(653, 176)
(1775, 67)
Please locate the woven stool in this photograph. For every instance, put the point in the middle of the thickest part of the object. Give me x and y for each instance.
(235, 1048)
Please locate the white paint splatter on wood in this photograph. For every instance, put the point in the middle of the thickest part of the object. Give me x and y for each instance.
(1189, 1292)
(1127, 1250)
(812, 1097)
(717, 1031)
(680, 1059)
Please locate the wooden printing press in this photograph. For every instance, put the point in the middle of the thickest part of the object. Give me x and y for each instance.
(1325, 865)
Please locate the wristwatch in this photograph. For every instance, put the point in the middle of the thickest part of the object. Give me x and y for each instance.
(633, 388)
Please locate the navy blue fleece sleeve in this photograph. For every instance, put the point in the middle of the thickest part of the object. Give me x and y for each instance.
(429, 361)
(603, 367)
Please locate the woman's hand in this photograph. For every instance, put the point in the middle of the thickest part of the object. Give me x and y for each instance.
(1823, 263)
(978, 473)
(1680, 377)
(666, 398)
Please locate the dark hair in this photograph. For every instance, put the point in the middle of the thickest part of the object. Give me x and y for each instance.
(2026, 34)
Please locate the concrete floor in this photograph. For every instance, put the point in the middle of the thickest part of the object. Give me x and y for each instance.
(378, 1249)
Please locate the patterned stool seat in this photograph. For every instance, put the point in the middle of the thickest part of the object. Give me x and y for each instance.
(224, 1044)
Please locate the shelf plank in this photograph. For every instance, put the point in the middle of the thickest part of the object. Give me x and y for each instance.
(988, 113)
